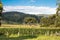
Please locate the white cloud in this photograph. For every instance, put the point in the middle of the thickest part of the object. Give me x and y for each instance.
(31, 9)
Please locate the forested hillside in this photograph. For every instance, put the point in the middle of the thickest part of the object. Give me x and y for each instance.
(17, 17)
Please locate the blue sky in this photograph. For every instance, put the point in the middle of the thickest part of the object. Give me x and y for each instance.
(51, 3)
(30, 6)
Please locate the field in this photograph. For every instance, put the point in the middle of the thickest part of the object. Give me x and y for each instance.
(38, 38)
(28, 32)
(36, 26)
(46, 38)
(20, 26)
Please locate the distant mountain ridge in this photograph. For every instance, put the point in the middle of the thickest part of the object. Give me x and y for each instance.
(16, 17)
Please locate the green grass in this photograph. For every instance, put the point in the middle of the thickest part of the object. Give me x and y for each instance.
(14, 35)
(42, 37)
(48, 38)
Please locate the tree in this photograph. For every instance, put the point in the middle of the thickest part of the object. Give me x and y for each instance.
(1, 8)
(57, 12)
(44, 21)
(47, 21)
(53, 20)
(57, 22)
(30, 20)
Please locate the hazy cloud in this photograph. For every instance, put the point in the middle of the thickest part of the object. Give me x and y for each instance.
(31, 9)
